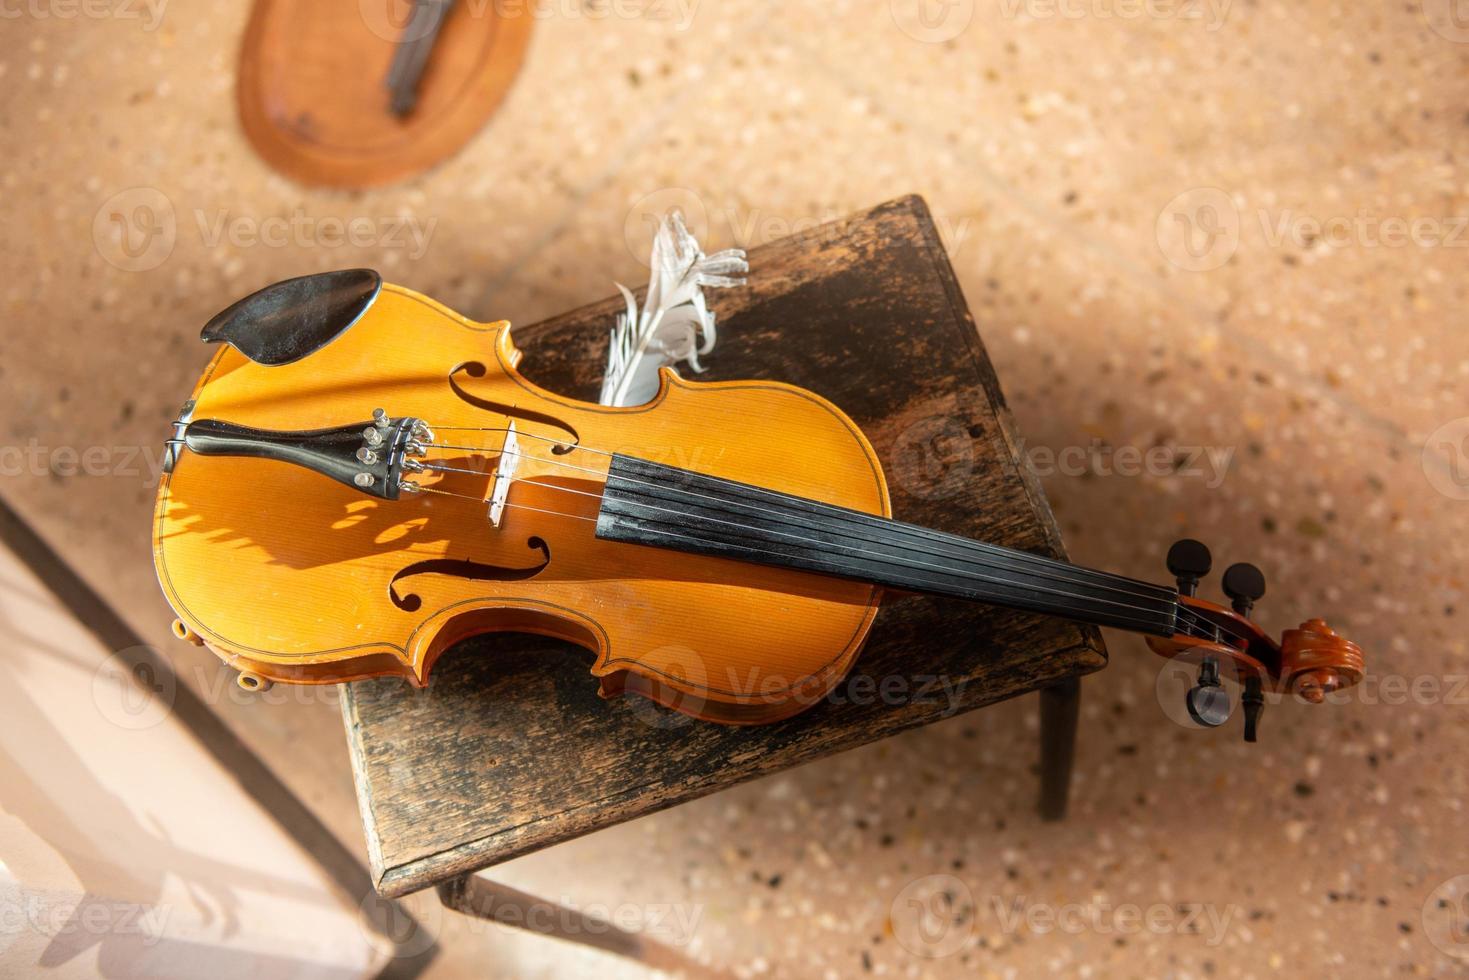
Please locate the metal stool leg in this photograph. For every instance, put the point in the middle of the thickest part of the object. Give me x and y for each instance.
(1060, 705)
(485, 899)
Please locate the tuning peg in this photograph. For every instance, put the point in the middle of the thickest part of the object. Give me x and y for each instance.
(1253, 700)
(1244, 584)
(1208, 701)
(1189, 561)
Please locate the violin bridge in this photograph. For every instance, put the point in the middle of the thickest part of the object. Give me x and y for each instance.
(504, 475)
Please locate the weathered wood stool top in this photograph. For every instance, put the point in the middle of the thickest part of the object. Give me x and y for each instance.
(510, 749)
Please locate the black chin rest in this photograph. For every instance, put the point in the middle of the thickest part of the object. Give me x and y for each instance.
(287, 321)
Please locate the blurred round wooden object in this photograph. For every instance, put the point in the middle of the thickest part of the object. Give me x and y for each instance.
(314, 94)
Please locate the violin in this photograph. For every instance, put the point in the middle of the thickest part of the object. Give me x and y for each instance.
(362, 478)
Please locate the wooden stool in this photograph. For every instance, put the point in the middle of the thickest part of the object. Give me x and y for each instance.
(867, 312)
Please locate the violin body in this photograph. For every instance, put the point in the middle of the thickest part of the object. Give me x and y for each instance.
(292, 577)
(363, 478)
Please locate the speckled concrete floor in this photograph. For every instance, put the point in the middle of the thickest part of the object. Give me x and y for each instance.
(1234, 229)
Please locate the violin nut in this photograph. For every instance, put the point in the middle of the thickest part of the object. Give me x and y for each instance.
(380, 418)
(364, 479)
(372, 437)
(366, 456)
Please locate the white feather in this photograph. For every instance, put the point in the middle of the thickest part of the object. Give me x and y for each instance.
(675, 323)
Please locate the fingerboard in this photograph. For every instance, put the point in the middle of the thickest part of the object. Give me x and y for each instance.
(667, 507)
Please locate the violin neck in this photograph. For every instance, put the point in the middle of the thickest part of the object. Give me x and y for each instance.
(667, 507)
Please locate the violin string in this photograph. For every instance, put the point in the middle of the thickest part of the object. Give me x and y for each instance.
(516, 452)
(1208, 627)
(1189, 616)
(908, 563)
(438, 468)
(481, 500)
(1193, 618)
(1033, 559)
(519, 432)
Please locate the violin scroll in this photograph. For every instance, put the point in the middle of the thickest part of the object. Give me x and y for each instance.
(1311, 661)
(1317, 660)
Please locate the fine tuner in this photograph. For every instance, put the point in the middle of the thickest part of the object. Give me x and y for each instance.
(722, 550)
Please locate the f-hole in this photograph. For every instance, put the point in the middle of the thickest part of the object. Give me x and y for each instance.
(463, 568)
(475, 369)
